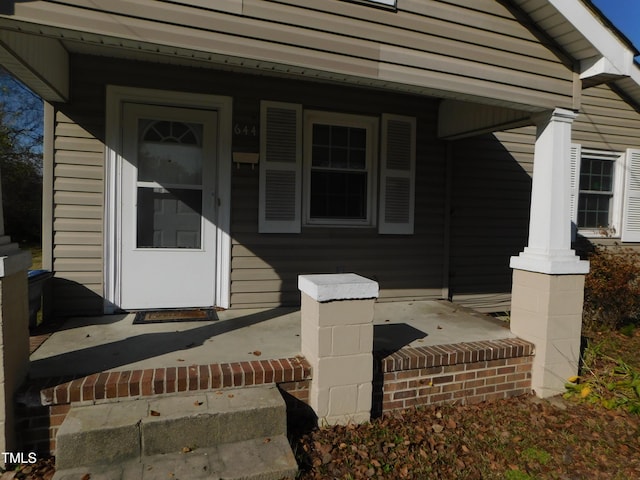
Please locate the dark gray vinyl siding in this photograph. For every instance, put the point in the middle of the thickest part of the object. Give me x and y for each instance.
(264, 266)
(490, 215)
(464, 48)
(491, 196)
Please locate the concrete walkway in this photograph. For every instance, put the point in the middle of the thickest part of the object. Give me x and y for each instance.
(93, 344)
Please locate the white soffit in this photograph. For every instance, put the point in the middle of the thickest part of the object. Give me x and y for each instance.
(581, 34)
(95, 44)
(603, 55)
(40, 63)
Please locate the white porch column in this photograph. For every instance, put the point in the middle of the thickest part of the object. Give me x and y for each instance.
(337, 340)
(14, 330)
(548, 277)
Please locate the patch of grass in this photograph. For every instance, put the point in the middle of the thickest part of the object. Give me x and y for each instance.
(517, 475)
(611, 373)
(537, 455)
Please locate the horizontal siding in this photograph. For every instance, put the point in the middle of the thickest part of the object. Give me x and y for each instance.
(490, 215)
(464, 48)
(606, 121)
(488, 230)
(78, 206)
(265, 267)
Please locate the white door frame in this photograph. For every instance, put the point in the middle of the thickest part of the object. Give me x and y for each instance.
(116, 97)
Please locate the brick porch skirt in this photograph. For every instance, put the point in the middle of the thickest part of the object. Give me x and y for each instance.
(466, 373)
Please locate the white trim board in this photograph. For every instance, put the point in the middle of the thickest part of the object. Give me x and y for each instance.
(116, 97)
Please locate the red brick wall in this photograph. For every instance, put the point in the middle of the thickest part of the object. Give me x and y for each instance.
(41, 409)
(465, 373)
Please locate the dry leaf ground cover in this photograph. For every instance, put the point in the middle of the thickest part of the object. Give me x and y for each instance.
(514, 439)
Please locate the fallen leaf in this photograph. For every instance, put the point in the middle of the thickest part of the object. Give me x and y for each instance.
(257, 353)
(197, 403)
(186, 449)
(436, 427)
(86, 476)
(266, 440)
(230, 395)
(154, 413)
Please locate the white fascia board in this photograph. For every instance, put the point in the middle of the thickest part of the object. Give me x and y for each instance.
(599, 66)
(619, 58)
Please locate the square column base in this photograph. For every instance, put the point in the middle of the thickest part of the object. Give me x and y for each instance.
(546, 310)
(337, 340)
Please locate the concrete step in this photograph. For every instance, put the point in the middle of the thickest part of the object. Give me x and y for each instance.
(114, 433)
(258, 459)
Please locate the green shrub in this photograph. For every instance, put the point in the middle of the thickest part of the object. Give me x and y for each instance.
(612, 288)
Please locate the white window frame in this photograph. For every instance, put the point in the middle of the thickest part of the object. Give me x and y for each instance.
(390, 4)
(614, 229)
(371, 125)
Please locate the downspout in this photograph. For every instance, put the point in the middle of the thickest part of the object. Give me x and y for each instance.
(448, 187)
(47, 201)
(47, 186)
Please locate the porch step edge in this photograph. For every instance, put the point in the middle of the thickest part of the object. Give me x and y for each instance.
(118, 432)
(268, 458)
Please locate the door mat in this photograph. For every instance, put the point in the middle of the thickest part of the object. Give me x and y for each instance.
(184, 315)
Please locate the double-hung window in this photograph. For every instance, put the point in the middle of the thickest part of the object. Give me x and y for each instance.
(339, 163)
(605, 193)
(596, 190)
(320, 168)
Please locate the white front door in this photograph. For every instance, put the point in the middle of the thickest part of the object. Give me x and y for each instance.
(168, 210)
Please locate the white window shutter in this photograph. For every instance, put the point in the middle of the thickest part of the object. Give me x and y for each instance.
(631, 209)
(397, 174)
(574, 175)
(280, 167)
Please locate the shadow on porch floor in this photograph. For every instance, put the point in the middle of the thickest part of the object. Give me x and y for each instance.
(87, 345)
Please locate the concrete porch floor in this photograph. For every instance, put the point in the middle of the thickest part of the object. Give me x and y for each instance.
(86, 345)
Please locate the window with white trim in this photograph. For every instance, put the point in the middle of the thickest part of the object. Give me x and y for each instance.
(339, 163)
(598, 173)
(605, 196)
(335, 170)
(390, 4)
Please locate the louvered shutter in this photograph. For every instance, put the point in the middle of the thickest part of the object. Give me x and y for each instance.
(397, 174)
(631, 210)
(280, 167)
(574, 175)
